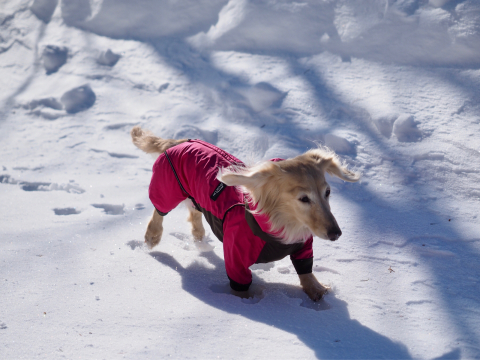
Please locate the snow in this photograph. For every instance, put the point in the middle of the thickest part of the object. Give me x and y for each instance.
(392, 86)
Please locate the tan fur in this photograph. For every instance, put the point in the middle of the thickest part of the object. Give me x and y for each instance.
(195, 218)
(154, 232)
(279, 190)
(146, 141)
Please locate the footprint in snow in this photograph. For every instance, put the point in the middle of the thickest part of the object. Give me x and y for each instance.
(253, 296)
(71, 102)
(283, 270)
(384, 124)
(181, 236)
(163, 87)
(257, 292)
(54, 57)
(264, 267)
(78, 99)
(66, 211)
(188, 243)
(135, 244)
(50, 102)
(24, 168)
(296, 293)
(49, 108)
(119, 126)
(111, 209)
(404, 127)
(116, 155)
(41, 186)
(196, 276)
(317, 268)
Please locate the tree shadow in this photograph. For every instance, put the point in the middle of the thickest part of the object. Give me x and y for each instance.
(385, 217)
(330, 333)
(455, 354)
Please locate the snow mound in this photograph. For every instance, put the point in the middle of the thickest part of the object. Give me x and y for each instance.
(405, 32)
(339, 144)
(295, 27)
(108, 58)
(405, 129)
(44, 9)
(144, 19)
(262, 96)
(74, 12)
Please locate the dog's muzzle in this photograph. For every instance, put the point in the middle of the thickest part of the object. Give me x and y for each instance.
(334, 235)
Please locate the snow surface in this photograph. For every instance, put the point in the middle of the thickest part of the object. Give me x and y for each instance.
(392, 86)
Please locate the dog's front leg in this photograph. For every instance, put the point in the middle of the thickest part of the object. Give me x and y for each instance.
(312, 287)
(154, 230)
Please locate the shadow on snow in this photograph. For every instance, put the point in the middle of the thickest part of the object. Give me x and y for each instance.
(330, 333)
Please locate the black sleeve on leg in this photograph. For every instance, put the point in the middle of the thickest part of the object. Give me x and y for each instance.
(303, 266)
(237, 286)
(161, 213)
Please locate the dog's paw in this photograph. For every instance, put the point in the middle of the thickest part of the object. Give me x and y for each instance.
(312, 287)
(316, 292)
(198, 234)
(152, 238)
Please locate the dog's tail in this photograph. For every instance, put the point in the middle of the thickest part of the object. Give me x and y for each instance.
(151, 144)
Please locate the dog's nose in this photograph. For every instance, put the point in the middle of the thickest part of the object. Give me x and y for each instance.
(334, 234)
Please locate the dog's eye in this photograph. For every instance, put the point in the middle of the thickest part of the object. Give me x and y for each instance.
(327, 193)
(304, 199)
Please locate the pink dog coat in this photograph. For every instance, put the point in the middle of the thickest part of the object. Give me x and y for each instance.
(189, 170)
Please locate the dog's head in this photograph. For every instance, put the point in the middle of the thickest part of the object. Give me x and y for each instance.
(293, 193)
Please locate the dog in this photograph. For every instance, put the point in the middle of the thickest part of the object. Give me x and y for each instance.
(261, 213)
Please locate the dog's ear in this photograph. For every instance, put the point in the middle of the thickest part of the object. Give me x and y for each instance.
(334, 167)
(330, 163)
(250, 178)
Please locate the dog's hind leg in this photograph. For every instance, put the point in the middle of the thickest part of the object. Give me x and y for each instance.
(195, 218)
(154, 230)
